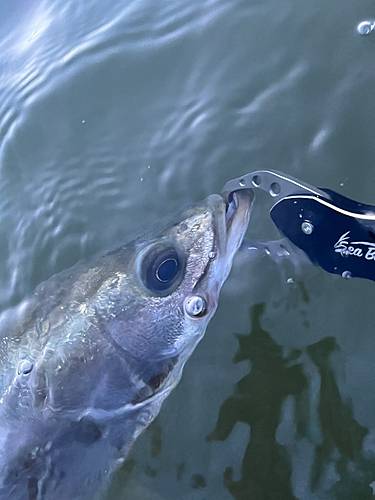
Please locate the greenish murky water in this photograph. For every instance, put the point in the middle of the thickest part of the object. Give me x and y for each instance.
(113, 114)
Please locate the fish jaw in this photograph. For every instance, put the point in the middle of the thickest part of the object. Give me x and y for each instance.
(228, 226)
(231, 220)
(237, 220)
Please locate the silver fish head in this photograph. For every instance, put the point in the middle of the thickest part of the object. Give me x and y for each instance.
(171, 283)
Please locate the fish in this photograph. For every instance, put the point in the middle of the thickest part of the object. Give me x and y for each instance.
(87, 359)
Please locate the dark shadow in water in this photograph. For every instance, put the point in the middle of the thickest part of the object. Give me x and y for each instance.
(257, 401)
(340, 432)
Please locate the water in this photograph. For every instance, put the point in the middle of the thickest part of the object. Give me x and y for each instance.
(113, 114)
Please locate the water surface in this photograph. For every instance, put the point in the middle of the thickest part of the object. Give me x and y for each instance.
(113, 114)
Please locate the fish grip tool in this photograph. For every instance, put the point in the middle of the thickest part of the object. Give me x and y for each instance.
(334, 232)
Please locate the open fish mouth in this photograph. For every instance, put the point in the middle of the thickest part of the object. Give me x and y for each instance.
(231, 219)
(238, 208)
(239, 204)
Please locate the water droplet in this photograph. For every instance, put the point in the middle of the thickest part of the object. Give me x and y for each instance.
(83, 121)
(294, 202)
(282, 251)
(365, 27)
(290, 280)
(242, 182)
(300, 216)
(48, 446)
(211, 255)
(141, 179)
(25, 366)
(307, 227)
(267, 250)
(346, 274)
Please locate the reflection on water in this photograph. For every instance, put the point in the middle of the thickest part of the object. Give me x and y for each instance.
(340, 431)
(258, 401)
(305, 441)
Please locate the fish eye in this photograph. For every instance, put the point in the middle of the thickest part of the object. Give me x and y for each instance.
(161, 269)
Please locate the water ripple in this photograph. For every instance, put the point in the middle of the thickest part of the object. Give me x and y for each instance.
(273, 90)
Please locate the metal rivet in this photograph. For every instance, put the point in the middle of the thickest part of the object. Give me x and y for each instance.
(346, 274)
(307, 227)
(195, 306)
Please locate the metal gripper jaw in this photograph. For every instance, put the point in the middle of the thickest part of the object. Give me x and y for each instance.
(335, 232)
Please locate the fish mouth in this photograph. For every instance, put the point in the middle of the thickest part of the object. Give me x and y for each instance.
(238, 208)
(231, 219)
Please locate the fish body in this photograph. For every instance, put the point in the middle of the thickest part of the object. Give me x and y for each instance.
(88, 358)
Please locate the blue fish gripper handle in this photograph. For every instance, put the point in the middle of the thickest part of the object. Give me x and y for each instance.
(336, 233)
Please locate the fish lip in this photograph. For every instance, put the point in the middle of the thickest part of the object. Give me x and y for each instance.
(238, 201)
(239, 204)
(231, 217)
